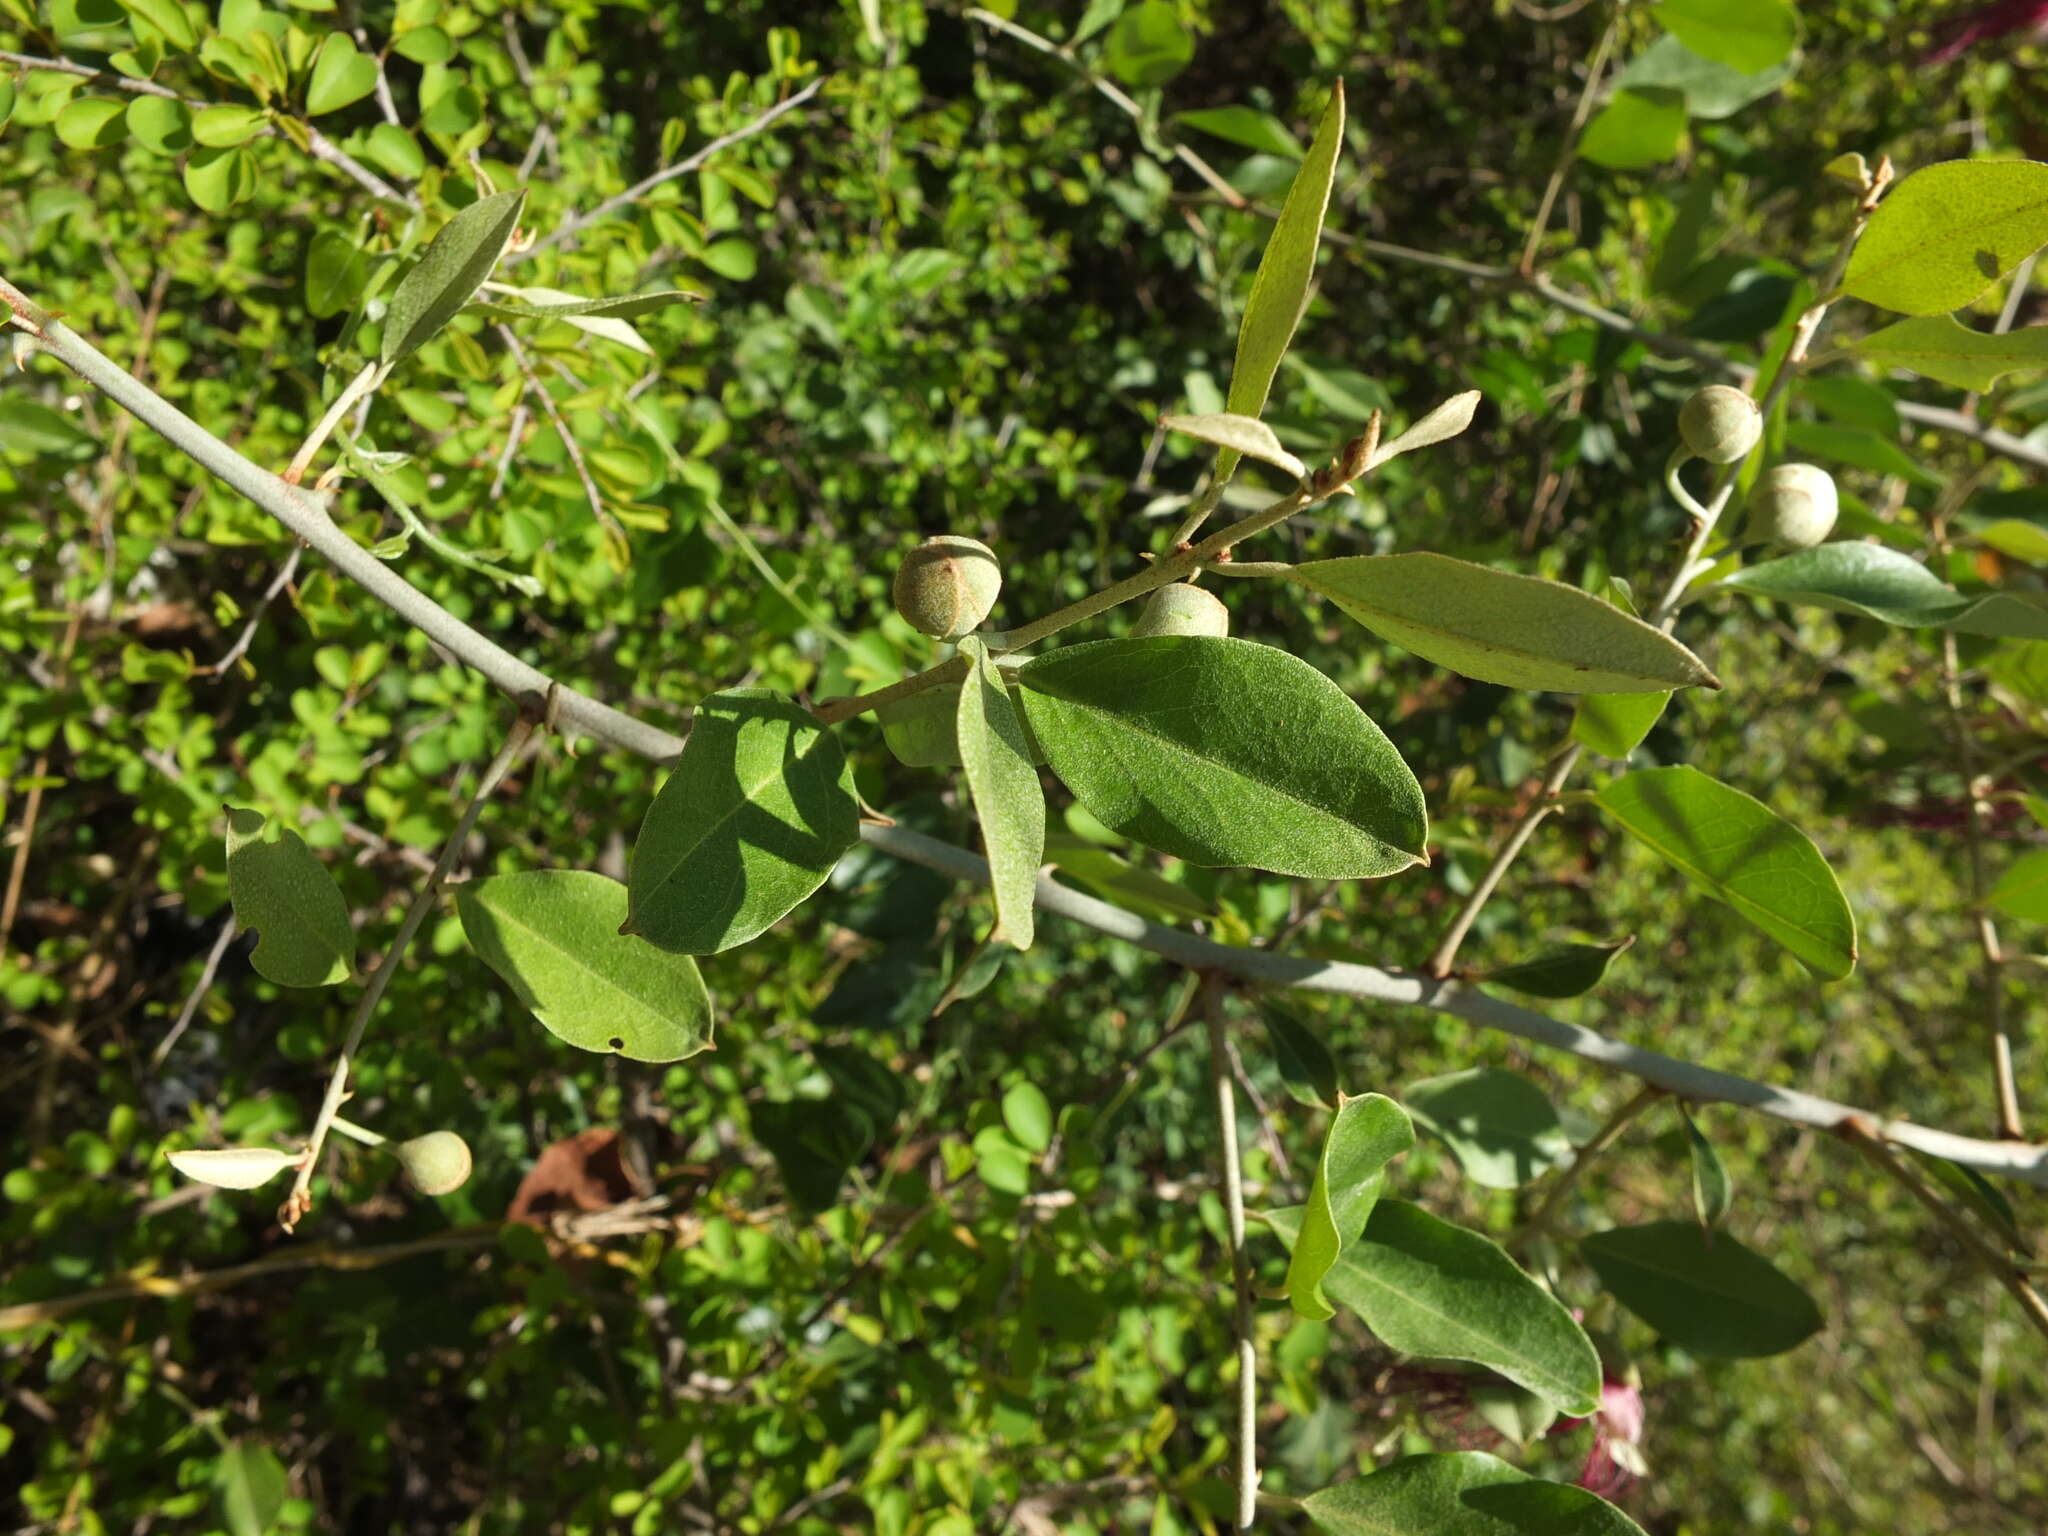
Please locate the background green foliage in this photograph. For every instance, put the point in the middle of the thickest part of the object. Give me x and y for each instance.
(925, 1271)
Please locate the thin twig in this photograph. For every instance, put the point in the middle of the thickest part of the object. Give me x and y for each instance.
(300, 1200)
(575, 226)
(1240, 1263)
(2000, 1265)
(1567, 1180)
(198, 992)
(247, 637)
(1568, 151)
(539, 391)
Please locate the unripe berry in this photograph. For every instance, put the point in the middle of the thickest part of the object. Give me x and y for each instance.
(1183, 610)
(1793, 505)
(946, 586)
(1720, 424)
(436, 1163)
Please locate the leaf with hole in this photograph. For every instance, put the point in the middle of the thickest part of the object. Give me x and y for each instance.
(283, 892)
(1705, 1292)
(1948, 232)
(1518, 631)
(1499, 1125)
(1461, 1493)
(1570, 970)
(553, 935)
(456, 263)
(995, 755)
(1367, 1134)
(1426, 1287)
(757, 810)
(1225, 752)
(1287, 267)
(1739, 851)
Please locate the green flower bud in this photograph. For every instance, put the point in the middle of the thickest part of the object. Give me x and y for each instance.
(1183, 610)
(946, 586)
(1793, 505)
(436, 1163)
(1720, 424)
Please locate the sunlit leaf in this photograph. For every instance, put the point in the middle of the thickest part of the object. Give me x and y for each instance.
(284, 893)
(1499, 1125)
(250, 1481)
(454, 265)
(1246, 126)
(1941, 347)
(1008, 799)
(1948, 232)
(2022, 891)
(1245, 435)
(1639, 126)
(1745, 35)
(1366, 1134)
(342, 76)
(1567, 971)
(233, 1167)
(1874, 582)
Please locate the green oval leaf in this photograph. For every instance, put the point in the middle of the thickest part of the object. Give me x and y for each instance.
(1738, 850)
(1148, 46)
(233, 1167)
(1426, 1287)
(283, 892)
(1280, 288)
(226, 126)
(217, 179)
(756, 812)
(160, 124)
(1948, 232)
(1518, 631)
(167, 16)
(1224, 752)
(1879, 583)
(1746, 35)
(342, 76)
(553, 935)
(1638, 127)
(424, 45)
(451, 269)
(1499, 1125)
(1462, 1493)
(1246, 126)
(251, 1483)
(335, 272)
(2022, 890)
(1008, 799)
(1028, 1116)
(1941, 347)
(1570, 970)
(1307, 1069)
(1367, 1134)
(92, 122)
(1705, 1292)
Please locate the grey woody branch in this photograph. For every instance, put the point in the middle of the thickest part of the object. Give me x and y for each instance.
(305, 514)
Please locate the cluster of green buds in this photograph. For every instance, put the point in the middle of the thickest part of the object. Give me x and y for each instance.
(1793, 506)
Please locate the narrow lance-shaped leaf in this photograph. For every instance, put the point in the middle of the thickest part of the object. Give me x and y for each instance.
(1948, 232)
(1501, 1127)
(451, 269)
(1738, 850)
(1462, 1493)
(553, 935)
(1518, 631)
(1708, 1294)
(1567, 971)
(233, 1167)
(757, 810)
(1246, 435)
(1712, 1189)
(1367, 1134)
(1426, 1287)
(1280, 290)
(283, 892)
(543, 304)
(1941, 347)
(1307, 1069)
(1007, 796)
(1223, 752)
(1439, 426)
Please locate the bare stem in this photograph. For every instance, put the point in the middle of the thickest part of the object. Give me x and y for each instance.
(2002, 1268)
(1240, 1265)
(1568, 151)
(363, 383)
(1446, 953)
(1562, 1186)
(300, 1200)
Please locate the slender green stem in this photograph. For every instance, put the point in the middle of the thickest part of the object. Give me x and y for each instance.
(357, 1133)
(300, 1200)
(1562, 1186)
(371, 376)
(417, 526)
(1222, 1081)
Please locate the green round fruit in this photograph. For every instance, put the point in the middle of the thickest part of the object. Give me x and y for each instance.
(1720, 424)
(1793, 505)
(437, 1163)
(1183, 610)
(946, 586)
